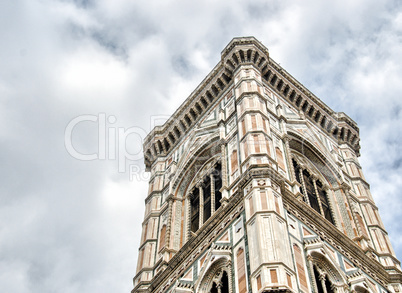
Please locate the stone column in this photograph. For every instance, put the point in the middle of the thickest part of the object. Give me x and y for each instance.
(188, 218)
(312, 277)
(225, 194)
(331, 205)
(229, 272)
(289, 159)
(169, 224)
(303, 186)
(322, 280)
(201, 213)
(314, 178)
(219, 286)
(212, 193)
(224, 167)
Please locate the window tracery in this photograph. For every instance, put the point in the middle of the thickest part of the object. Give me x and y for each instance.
(221, 286)
(215, 275)
(324, 285)
(325, 273)
(205, 197)
(314, 192)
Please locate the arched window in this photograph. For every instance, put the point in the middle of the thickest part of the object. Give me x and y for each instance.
(325, 273)
(205, 198)
(322, 282)
(313, 192)
(222, 286)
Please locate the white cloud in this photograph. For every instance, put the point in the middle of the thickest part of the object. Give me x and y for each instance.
(75, 225)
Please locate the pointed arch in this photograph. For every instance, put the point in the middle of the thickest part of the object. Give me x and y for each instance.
(360, 284)
(197, 153)
(216, 272)
(328, 270)
(302, 146)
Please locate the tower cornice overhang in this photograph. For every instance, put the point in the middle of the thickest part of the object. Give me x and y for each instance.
(242, 51)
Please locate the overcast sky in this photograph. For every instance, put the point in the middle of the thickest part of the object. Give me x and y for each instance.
(69, 225)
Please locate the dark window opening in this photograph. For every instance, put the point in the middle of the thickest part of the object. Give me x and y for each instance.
(218, 186)
(318, 202)
(209, 188)
(214, 288)
(223, 284)
(195, 213)
(207, 198)
(319, 282)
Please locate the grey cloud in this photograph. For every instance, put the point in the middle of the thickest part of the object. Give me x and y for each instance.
(75, 225)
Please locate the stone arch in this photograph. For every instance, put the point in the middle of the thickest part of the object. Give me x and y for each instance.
(204, 170)
(213, 272)
(203, 196)
(304, 148)
(360, 289)
(359, 283)
(320, 261)
(192, 160)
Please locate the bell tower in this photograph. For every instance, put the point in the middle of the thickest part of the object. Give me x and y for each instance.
(256, 187)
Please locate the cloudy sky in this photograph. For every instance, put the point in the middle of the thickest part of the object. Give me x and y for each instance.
(71, 225)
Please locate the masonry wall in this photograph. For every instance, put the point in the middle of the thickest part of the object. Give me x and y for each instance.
(276, 228)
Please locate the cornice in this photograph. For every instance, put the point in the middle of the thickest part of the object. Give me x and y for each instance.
(241, 51)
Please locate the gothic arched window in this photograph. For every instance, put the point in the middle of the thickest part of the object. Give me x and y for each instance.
(313, 192)
(222, 286)
(205, 198)
(322, 282)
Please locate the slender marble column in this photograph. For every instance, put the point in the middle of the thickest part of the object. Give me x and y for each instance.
(223, 166)
(212, 193)
(230, 276)
(303, 186)
(318, 195)
(312, 277)
(322, 280)
(331, 206)
(219, 286)
(289, 159)
(201, 213)
(188, 218)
